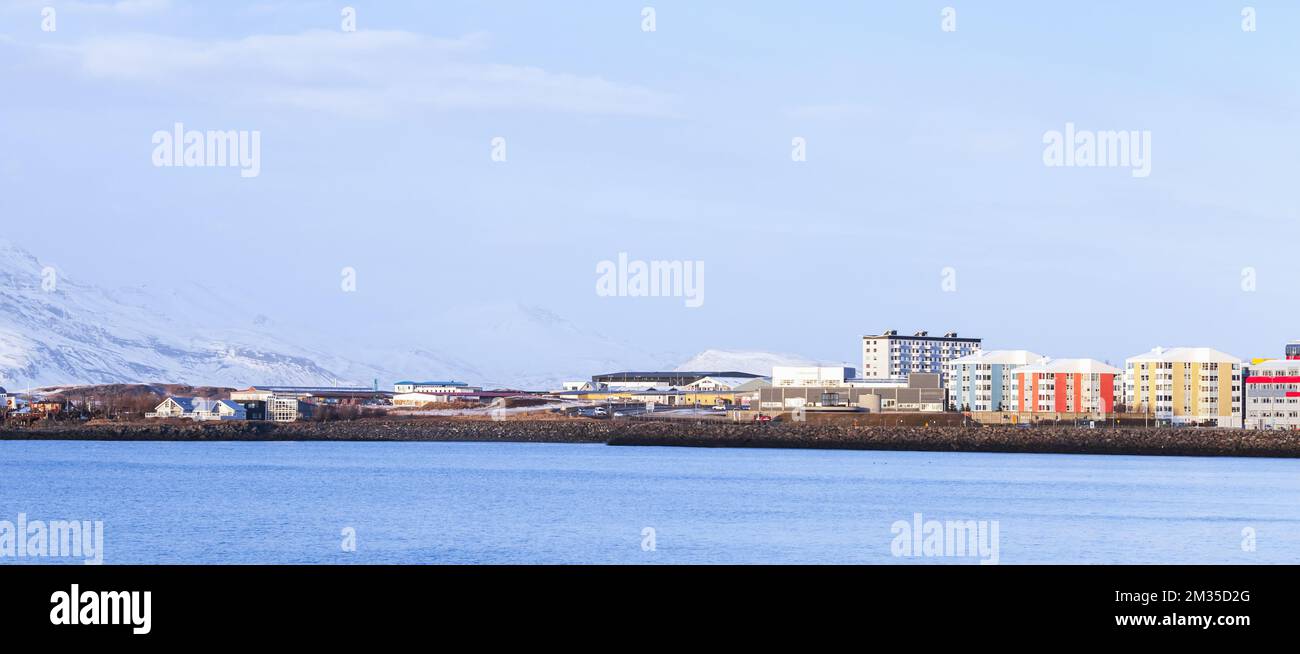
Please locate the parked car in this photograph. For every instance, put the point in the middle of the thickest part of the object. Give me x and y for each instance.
(762, 418)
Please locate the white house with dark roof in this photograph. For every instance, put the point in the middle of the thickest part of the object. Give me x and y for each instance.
(219, 410)
(197, 408)
(173, 407)
(4, 398)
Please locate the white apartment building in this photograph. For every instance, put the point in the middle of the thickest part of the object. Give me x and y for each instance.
(891, 355)
(983, 381)
(1185, 385)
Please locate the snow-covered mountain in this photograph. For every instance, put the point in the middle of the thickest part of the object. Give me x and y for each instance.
(759, 363)
(56, 330)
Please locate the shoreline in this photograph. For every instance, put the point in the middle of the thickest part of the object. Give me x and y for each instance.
(1038, 440)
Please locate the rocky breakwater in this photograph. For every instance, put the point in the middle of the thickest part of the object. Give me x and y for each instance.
(1063, 440)
(548, 431)
(974, 438)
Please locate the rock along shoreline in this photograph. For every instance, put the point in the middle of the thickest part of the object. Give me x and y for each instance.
(1060, 440)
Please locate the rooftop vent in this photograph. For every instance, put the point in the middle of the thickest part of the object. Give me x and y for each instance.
(921, 333)
(950, 335)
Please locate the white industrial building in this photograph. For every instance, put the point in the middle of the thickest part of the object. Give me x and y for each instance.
(434, 387)
(416, 394)
(1273, 395)
(420, 399)
(581, 385)
(720, 383)
(809, 376)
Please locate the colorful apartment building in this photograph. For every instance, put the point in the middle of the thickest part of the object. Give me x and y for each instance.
(1185, 385)
(1065, 386)
(983, 381)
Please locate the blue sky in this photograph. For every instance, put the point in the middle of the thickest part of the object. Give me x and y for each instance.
(924, 152)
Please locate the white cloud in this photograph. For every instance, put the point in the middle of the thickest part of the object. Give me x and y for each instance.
(839, 111)
(363, 73)
(133, 6)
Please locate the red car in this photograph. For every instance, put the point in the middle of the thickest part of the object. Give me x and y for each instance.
(762, 418)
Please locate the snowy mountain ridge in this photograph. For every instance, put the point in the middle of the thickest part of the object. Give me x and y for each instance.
(58, 331)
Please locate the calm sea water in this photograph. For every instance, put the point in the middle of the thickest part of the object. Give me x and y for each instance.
(549, 503)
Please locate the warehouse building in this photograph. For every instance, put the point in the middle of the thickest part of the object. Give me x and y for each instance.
(922, 393)
(796, 376)
(434, 387)
(1272, 394)
(659, 380)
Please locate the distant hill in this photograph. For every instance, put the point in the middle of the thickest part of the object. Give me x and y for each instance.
(759, 363)
(57, 330)
(62, 331)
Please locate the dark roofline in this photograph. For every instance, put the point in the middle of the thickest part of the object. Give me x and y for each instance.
(925, 338)
(678, 373)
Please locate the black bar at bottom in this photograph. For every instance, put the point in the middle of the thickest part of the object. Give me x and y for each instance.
(212, 603)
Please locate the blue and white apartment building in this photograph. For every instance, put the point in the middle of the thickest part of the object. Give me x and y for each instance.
(983, 381)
